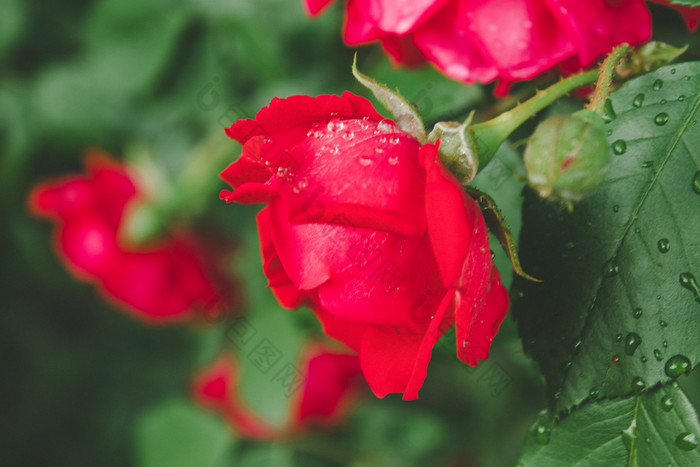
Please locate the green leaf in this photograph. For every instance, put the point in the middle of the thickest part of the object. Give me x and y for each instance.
(176, 433)
(685, 2)
(612, 309)
(653, 429)
(405, 114)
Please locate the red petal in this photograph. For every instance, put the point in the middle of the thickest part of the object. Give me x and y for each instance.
(396, 360)
(314, 7)
(596, 26)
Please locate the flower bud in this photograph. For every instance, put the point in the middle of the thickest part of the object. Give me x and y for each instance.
(568, 156)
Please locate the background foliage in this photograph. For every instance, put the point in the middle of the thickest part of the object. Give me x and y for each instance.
(86, 384)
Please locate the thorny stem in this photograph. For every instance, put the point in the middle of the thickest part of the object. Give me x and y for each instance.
(607, 70)
(490, 134)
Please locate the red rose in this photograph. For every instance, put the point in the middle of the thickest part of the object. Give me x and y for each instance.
(162, 282)
(479, 41)
(328, 387)
(368, 228)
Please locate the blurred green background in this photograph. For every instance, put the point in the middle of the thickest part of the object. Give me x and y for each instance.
(86, 384)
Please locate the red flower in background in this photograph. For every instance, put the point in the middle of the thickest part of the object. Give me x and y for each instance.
(691, 15)
(167, 281)
(479, 41)
(331, 383)
(367, 227)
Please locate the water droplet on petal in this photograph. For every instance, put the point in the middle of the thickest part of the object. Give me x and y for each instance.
(394, 140)
(686, 441)
(386, 126)
(619, 147)
(365, 161)
(638, 100)
(661, 119)
(658, 84)
(335, 125)
(348, 135)
(688, 281)
(632, 341)
(677, 365)
(664, 245)
(393, 160)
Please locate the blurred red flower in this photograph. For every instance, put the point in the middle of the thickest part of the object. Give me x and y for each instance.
(330, 385)
(167, 281)
(480, 41)
(367, 227)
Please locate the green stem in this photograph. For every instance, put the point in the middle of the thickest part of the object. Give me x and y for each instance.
(492, 133)
(607, 70)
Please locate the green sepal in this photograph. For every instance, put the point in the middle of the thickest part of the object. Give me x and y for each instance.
(498, 226)
(404, 113)
(649, 57)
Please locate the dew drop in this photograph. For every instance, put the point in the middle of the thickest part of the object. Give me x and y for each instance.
(608, 113)
(662, 101)
(379, 150)
(638, 100)
(664, 245)
(663, 323)
(615, 359)
(658, 84)
(610, 269)
(677, 365)
(632, 341)
(638, 384)
(348, 135)
(616, 208)
(365, 161)
(386, 126)
(542, 433)
(637, 230)
(637, 313)
(393, 160)
(681, 98)
(667, 403)
(688, 281)
(686, 441)
(576, 346)
(619, 337)
(665, 344)
(593, 394)
(661, 119)
(673, 71)
(394, 140)
(619, 147)
(686, 77)
(644, 359)
(335, 125)
(696, 182)
(658, 355)
(382, 139)
(609, 132)
(647, 164)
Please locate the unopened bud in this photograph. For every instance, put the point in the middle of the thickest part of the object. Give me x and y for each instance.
(568, 156)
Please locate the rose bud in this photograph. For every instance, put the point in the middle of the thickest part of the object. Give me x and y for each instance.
(568, 156)
(366, 227)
